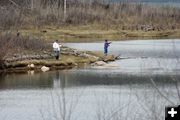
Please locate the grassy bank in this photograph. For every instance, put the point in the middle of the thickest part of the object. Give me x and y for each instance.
(90, 20)
(94, 32)
(18, 53)
(66, 61)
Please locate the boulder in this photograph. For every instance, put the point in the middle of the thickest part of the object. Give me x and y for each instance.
(70, 61)
(31, 66)
(106, 66)
(93, 59)
(99, 63)
(109, 58)
(45, 69)
(111, 65)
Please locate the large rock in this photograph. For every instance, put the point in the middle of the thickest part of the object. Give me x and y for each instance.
(31, 66)
(109, 58)
(71, 62)
(107, 66)
(45, 69)
(99, 63)
(111, 65)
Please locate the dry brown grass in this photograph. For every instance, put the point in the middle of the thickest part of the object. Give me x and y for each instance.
(125, 16)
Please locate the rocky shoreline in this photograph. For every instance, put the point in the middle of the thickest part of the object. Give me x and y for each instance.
(44, 61)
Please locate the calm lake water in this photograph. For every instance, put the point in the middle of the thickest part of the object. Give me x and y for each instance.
(145, 57)
(138, 88)
(170, 3)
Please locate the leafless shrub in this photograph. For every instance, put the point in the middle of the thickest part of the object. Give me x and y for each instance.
(28, 43)
(10, 44)
(5, 47)
(9, 17)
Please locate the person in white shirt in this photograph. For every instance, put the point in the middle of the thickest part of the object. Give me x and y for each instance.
(57, 49)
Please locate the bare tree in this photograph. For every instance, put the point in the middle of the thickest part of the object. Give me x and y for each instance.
(32, 4)
(65, 6)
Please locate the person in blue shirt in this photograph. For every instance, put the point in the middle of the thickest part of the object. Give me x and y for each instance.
(106, 45)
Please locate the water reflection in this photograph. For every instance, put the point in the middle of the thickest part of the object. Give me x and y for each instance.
(79, 78)
(86, 94)
(26, 81)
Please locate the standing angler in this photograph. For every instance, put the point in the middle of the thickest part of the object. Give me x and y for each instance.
(56, 48)
(106, 45)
